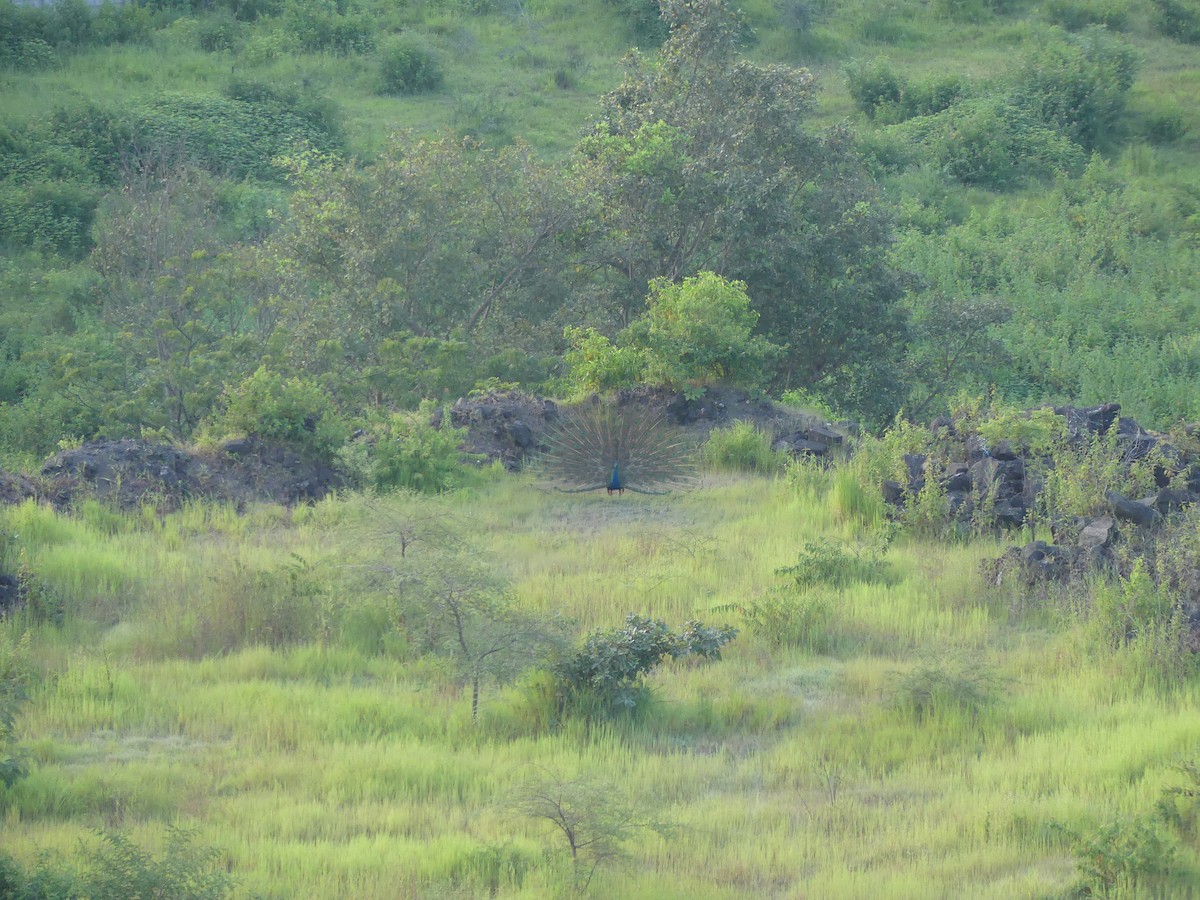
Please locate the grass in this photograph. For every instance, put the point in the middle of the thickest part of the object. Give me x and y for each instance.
(323, 767)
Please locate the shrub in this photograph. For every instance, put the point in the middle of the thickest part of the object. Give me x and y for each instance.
(292, 410)
(405, 451)
(824, 562)
(1125, 853)
(1075, 15)
(742, 447)
(645, 20)
(788, 618)
(608, 672)
(1178, 19)
(50, 217)
(318, 26)
(874, 84)
(699, 331)
(1078, 84)
(938, 688)
(218, 32)
(15, 674)
(118, 869)
(239, 135)
(596, 365)
(409, 66)
(995, 145)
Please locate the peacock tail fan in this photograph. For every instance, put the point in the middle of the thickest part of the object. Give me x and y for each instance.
(619, 448)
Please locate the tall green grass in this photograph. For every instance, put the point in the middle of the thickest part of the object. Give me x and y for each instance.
(322, 763)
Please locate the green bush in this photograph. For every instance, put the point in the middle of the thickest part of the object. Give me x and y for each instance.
(405, 451)
(1127, 853)
(409, 65)
(319, 26)
(238, 136)
(1178, 19)
(824, 562)
(789, 618)
(292, 410)
(220, 31)
(118, 869)
(1075, 15)
(699, 331)
(50, 217)
(15, 674)
(743, 448)
(608, 672)
(938, 688)
(595, 365)
(874, 84)
(644, 18)
(1078, 84)
(992, 144)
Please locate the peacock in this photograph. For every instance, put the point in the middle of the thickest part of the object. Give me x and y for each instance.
(617, 449)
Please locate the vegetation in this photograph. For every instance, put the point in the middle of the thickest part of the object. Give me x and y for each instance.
(312, 223)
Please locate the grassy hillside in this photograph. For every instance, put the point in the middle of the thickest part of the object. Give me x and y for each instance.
(918, 734)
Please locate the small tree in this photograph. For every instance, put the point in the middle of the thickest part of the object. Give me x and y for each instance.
(454, 606)
(594, 817)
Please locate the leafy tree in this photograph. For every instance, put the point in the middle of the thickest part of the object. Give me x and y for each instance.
(700, 161)
(168, 297)
(434, 239)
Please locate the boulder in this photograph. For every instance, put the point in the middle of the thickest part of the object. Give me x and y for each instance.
(1139, 514)
(1097, 533)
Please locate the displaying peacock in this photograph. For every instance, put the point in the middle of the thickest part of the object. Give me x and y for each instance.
(617, 449)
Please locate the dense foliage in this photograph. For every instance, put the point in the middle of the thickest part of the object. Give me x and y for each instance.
(1021, 225)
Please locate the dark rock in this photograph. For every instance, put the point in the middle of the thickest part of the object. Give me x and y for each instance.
(893, 493)
(1006, 451)
(916, 465)
(238, 445)
(521, 435)
(1169, 500)
(960, 504)
(801, 446)
(976, 449)
(958, 480)
(1132, 511)
(1011, 512)
(822, 434)
(10, 593)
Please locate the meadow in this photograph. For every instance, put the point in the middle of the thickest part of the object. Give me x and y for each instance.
(917, 732)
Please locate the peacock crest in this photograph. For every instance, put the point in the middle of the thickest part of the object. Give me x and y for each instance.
(618, 449)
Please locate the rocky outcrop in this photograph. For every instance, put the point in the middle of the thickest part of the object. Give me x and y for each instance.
(131, 472)
(1000, 480)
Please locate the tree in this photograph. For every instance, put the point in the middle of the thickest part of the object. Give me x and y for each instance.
(432, 240)
(451, 604)
(594, 817)
(700, 161)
